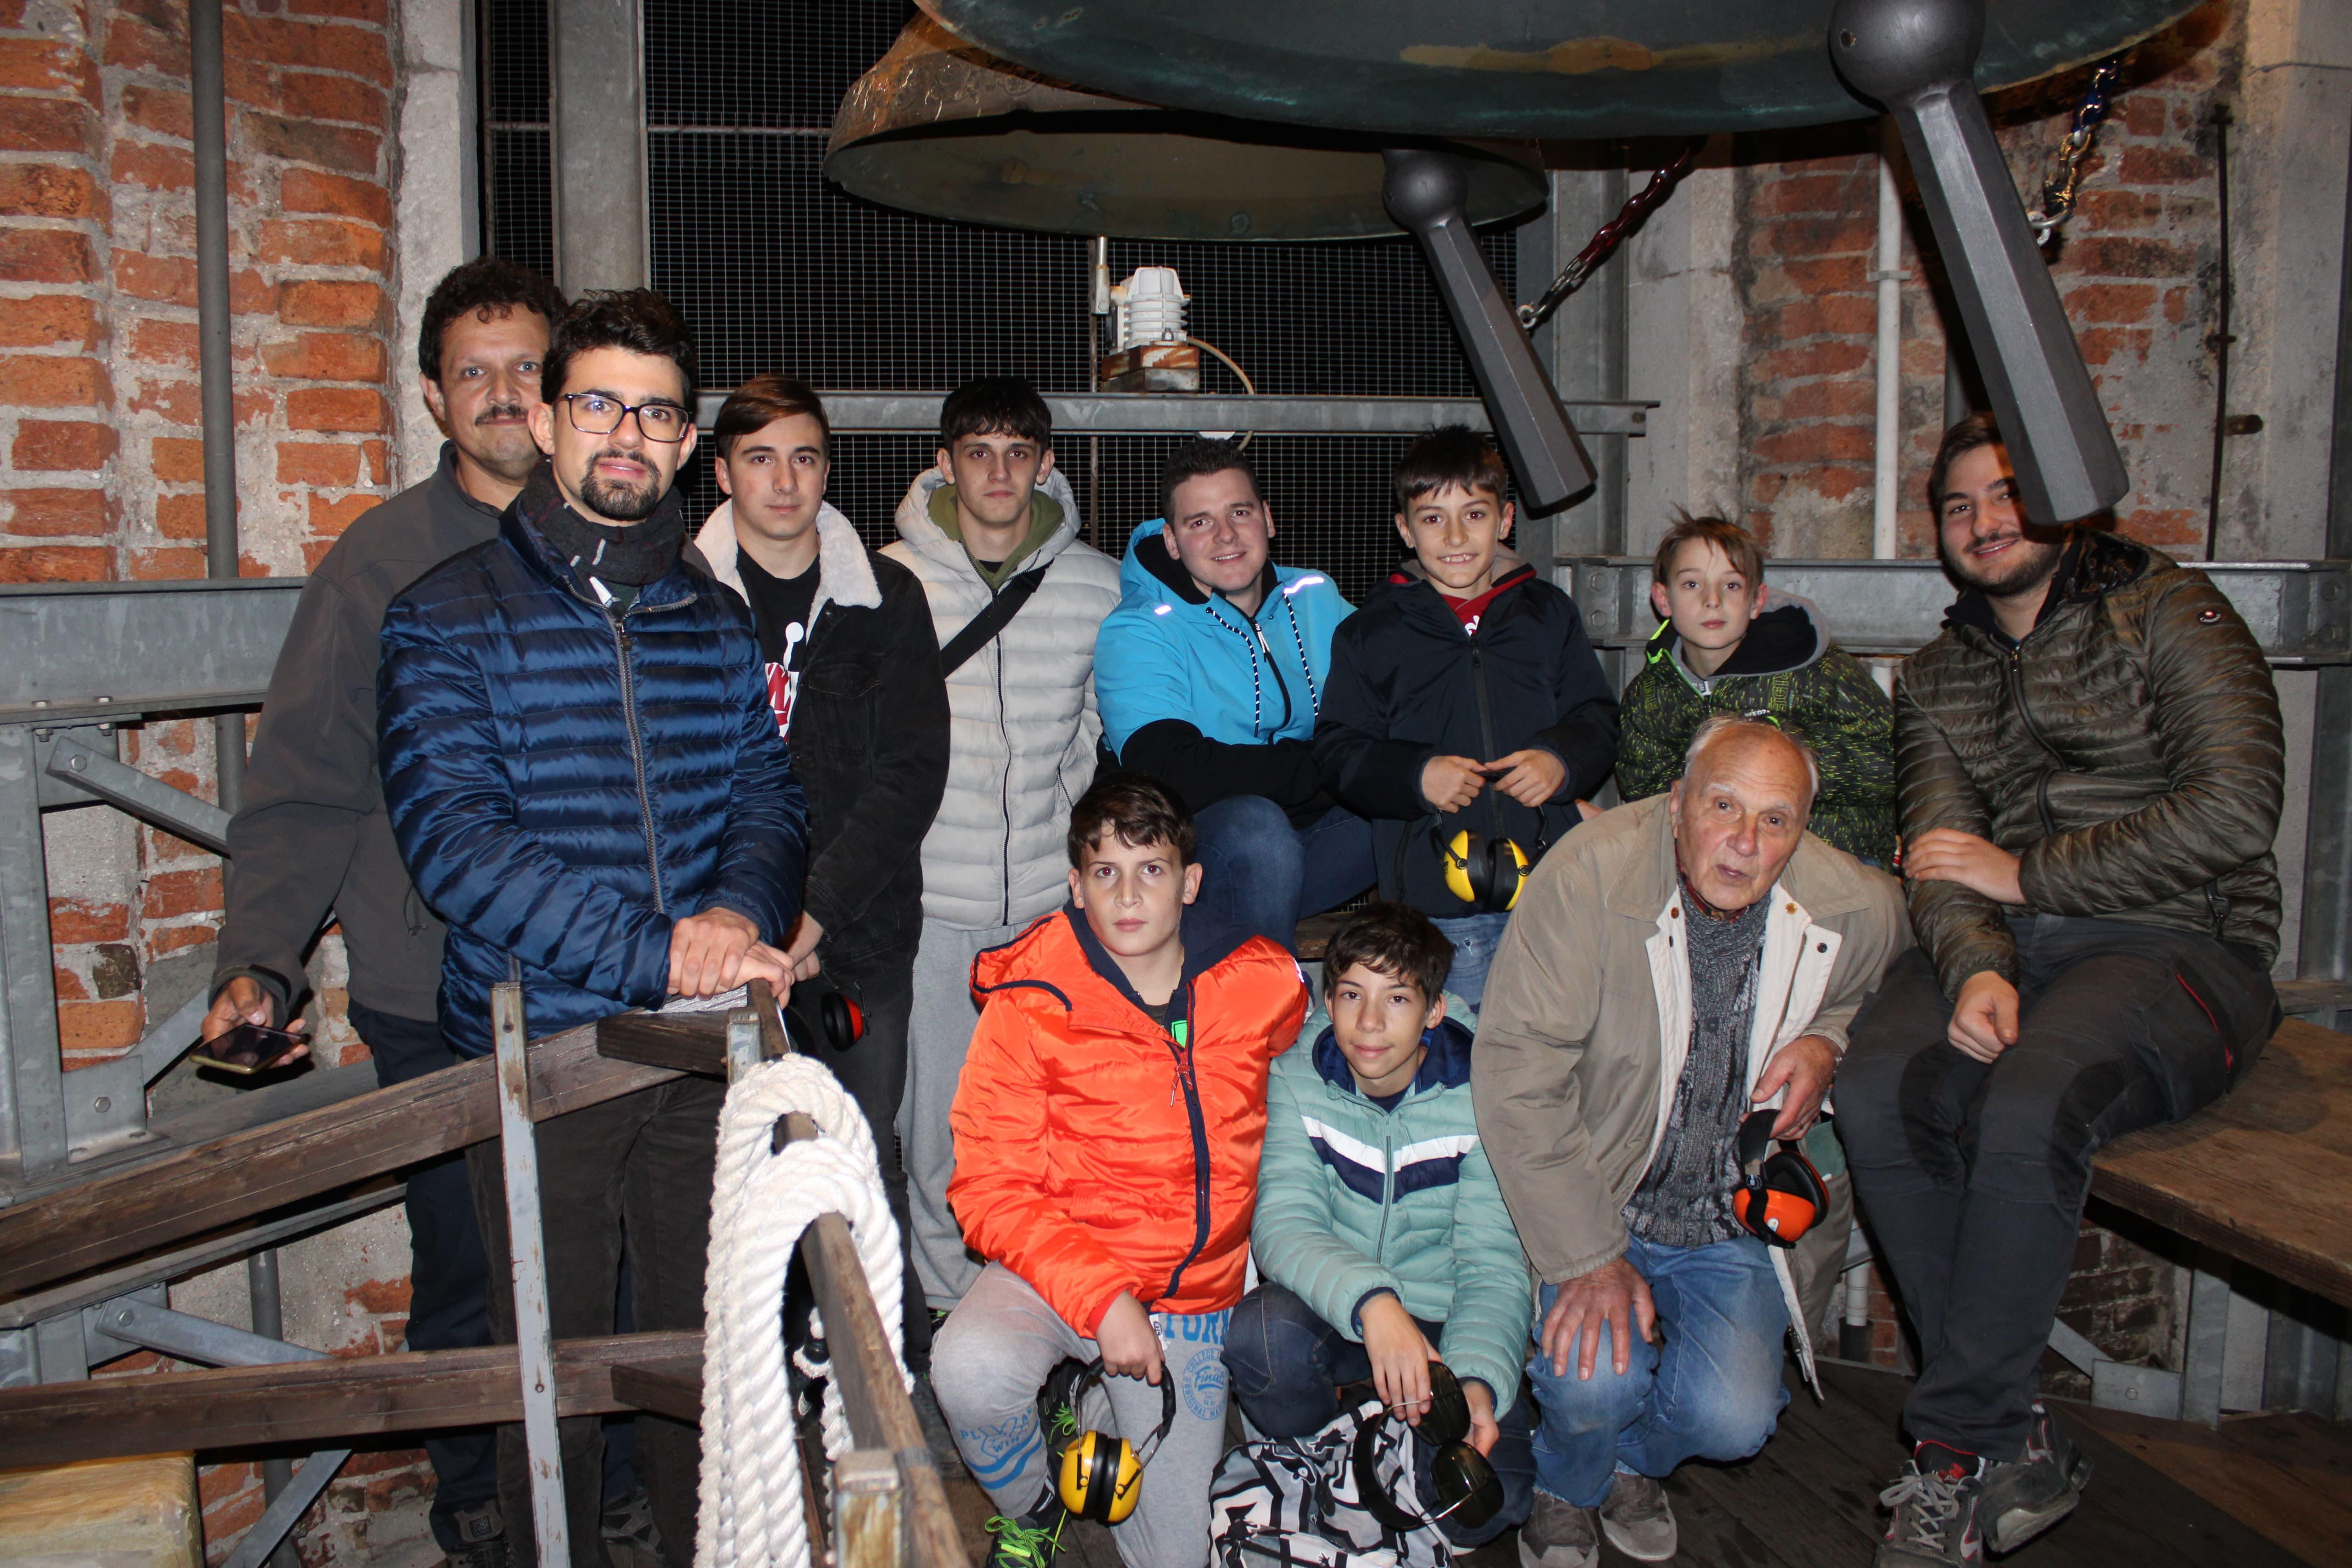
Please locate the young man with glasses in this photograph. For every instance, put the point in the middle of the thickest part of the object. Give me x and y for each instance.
(586, 778)
(312, 835)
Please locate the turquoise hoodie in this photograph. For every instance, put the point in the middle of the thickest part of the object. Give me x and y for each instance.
(1171, 651)
(1352, 1199)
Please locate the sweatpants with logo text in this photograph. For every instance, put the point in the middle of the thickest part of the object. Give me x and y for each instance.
(995, 1352)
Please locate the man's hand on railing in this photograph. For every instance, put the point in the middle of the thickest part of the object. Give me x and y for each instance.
(718, 949)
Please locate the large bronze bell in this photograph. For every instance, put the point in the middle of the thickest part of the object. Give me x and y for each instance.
(938, 126)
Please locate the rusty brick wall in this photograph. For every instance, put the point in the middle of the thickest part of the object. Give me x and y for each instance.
(101, 465)
(2136, 269)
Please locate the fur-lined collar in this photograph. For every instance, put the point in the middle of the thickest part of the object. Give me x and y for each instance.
(845, 577)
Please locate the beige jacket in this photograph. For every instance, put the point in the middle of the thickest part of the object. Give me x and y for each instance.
(1588, 1016)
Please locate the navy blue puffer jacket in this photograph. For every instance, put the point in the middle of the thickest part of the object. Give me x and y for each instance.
(564, 787)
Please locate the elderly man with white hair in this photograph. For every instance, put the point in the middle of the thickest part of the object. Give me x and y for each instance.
(1673, 965)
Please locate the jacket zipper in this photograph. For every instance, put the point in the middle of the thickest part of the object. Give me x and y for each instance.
(1275, 670)
(1388, 1190)
(1184, 1076)
(1004, 788)
(637, 751)
(2017, 695)
(1486, 734)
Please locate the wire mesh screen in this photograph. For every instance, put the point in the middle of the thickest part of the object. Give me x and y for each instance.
(780, 270)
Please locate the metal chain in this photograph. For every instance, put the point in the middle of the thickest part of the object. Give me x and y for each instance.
(1611, 234)
(2058, 191)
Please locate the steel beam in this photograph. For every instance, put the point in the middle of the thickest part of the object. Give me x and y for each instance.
(526, 1250)
(1170, 414)
(102, 776)
(2300, 611)
(2324, 945)
(83, 651)
(596, 145)
(32, 1077)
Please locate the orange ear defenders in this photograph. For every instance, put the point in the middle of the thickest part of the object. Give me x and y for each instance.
(1781, 1195)
(1102, 1475)
(1484, 873)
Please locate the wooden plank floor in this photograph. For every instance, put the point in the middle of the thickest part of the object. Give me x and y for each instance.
(2264, 1492)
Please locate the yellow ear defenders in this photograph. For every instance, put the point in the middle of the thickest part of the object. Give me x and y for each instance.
(1485, 873)
(1101, 1474)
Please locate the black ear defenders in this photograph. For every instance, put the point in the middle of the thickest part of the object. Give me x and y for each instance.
(821, 1008)
(1464, 1485)
(1102, 1475)
(1781, 1195)
(1484, 873)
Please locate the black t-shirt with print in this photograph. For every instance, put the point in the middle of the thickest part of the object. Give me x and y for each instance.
(779, 606)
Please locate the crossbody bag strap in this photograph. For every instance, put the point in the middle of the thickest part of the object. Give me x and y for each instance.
(982, 629)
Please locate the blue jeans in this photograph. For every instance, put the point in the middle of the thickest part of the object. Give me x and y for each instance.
(1285, 1366)
(1475, 939)
(1712, 1391)
(1264, 876)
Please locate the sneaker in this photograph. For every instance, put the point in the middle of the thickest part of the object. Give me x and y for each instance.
(481, 1533)
(1558, 1535)
(1032, 1540)
(1637, 1518)
(2025, 1497)
(1058, 1412)
(1935, 1511)
(631, 1540)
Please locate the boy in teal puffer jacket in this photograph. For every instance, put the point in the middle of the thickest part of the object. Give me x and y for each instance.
(1380, 1234)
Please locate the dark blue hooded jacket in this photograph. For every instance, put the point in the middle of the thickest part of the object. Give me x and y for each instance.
(565, 785)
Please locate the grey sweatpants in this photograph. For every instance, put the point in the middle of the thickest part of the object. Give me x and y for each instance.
(995, 1353)
(938, 1033)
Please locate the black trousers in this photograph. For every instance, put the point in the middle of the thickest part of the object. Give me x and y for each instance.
(874, 1071)
(449, 1277)
(634, 1171)
(1973, 1175)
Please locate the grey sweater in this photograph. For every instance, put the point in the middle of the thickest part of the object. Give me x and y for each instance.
(313, 834)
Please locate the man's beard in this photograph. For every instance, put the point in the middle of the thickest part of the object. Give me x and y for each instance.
(2027, 565)
(620, 502)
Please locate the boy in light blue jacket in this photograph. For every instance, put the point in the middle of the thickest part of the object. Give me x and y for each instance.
(1381, 1235)
(1209, 675)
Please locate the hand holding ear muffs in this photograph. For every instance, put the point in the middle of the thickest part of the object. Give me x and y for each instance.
(1781, 1195)
(1484, 873)
(1102, 1475)
(1464, 1482)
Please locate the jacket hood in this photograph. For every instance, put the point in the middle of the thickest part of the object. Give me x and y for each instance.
(928, 539)
(843, 574)
(1791, 636)
(2093, 563)
(1025, 961)
(1151, 576)
(1447, 1064)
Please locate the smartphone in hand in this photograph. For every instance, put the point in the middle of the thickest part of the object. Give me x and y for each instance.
(248, 1050)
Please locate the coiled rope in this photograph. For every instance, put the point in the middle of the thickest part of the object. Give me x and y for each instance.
(751, 1514)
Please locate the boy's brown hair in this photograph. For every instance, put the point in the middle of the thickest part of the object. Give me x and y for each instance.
(1452, 455)
(1739, 546)
(759, 403)
(1135, 806)
(1394, 940)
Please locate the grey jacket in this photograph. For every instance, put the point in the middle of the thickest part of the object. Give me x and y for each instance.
(314, 835)
(1588, 1015)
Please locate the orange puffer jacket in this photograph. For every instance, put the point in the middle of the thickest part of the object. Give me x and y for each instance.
(1095, 1152)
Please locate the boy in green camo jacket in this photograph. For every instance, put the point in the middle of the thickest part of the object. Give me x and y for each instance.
(1723, 648)
(1727, 646)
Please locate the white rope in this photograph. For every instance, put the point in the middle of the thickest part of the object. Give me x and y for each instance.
(751, 1514)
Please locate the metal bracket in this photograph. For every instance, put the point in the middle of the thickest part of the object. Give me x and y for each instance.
(67, 757)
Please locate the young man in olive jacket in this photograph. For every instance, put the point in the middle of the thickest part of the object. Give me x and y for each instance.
(853, 673)
(2091, 768)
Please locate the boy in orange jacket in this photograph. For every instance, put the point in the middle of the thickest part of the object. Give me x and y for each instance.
(1107, 1131)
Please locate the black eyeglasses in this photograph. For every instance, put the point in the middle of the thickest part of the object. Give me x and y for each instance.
(594, 414)
(1464, 1482)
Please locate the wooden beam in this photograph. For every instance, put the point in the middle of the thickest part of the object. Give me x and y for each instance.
(696, 1043)
(671, 1388)
(310, 1402)
(126, 1213)
(2265, 1176)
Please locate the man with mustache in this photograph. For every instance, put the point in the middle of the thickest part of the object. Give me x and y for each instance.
(586, 778)
(2091, 768)
(313, 834)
